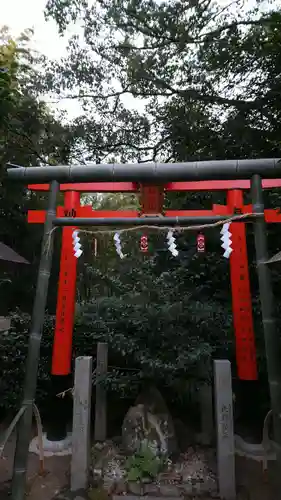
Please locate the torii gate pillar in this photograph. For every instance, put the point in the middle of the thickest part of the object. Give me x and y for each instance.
(62, 348)
(62, 345)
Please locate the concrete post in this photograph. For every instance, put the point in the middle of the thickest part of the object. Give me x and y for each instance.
(225, 433)
(81, 435)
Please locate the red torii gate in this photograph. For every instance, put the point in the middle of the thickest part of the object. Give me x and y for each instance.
(152, 203)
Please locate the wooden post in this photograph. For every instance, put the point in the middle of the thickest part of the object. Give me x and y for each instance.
(81, 434)
(225, 434)
(100, 410)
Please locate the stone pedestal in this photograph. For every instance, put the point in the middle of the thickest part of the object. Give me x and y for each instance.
(51, 448)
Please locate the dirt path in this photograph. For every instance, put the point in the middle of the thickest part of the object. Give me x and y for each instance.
(252, 483)
(39, 488)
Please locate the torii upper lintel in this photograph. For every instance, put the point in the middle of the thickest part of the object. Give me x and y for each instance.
(152, 173)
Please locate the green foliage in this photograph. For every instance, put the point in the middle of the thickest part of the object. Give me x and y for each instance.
(13, 351)
(29, 135)
(144, 464)
(207, 78)
(160, 316)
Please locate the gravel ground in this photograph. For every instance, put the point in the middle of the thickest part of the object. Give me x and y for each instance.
(251, 483)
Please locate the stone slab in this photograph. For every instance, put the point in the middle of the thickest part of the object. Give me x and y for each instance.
(81, 434)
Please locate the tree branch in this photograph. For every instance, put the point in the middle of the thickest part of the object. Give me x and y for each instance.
(150, 31)
(114, 94)
(235, 24)
(197, 96)
(170, 91)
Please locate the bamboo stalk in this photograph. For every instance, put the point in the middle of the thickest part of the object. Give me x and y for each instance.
(271, 334)
(150, 173)
(11, 428)
(25, 425)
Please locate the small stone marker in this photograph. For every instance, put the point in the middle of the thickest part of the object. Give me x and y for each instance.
(81, 434)
(225, 434)
(100, 410)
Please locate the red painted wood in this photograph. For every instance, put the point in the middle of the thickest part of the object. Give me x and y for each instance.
(152, 199)
(62, 346)
(242, 305)
(272, 215)
(219, 185)
(241, 294)
(91, 187)
(120, 187)
(38, 216)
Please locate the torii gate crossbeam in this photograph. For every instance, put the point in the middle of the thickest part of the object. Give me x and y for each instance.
(153, 173)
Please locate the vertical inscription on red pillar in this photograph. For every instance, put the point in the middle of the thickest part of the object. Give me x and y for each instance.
(61, 363)
(242, 305)
(62, 347)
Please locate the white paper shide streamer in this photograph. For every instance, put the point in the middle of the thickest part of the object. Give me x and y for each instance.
(77, 247)
(118, 245)
(171, 243)
(226, 240)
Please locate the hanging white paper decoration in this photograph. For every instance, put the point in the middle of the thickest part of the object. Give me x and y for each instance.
(226, 240)
(171, 243)
(77, 247)
(118, 245)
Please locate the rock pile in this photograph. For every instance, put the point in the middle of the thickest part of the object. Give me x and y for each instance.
(149, 422)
